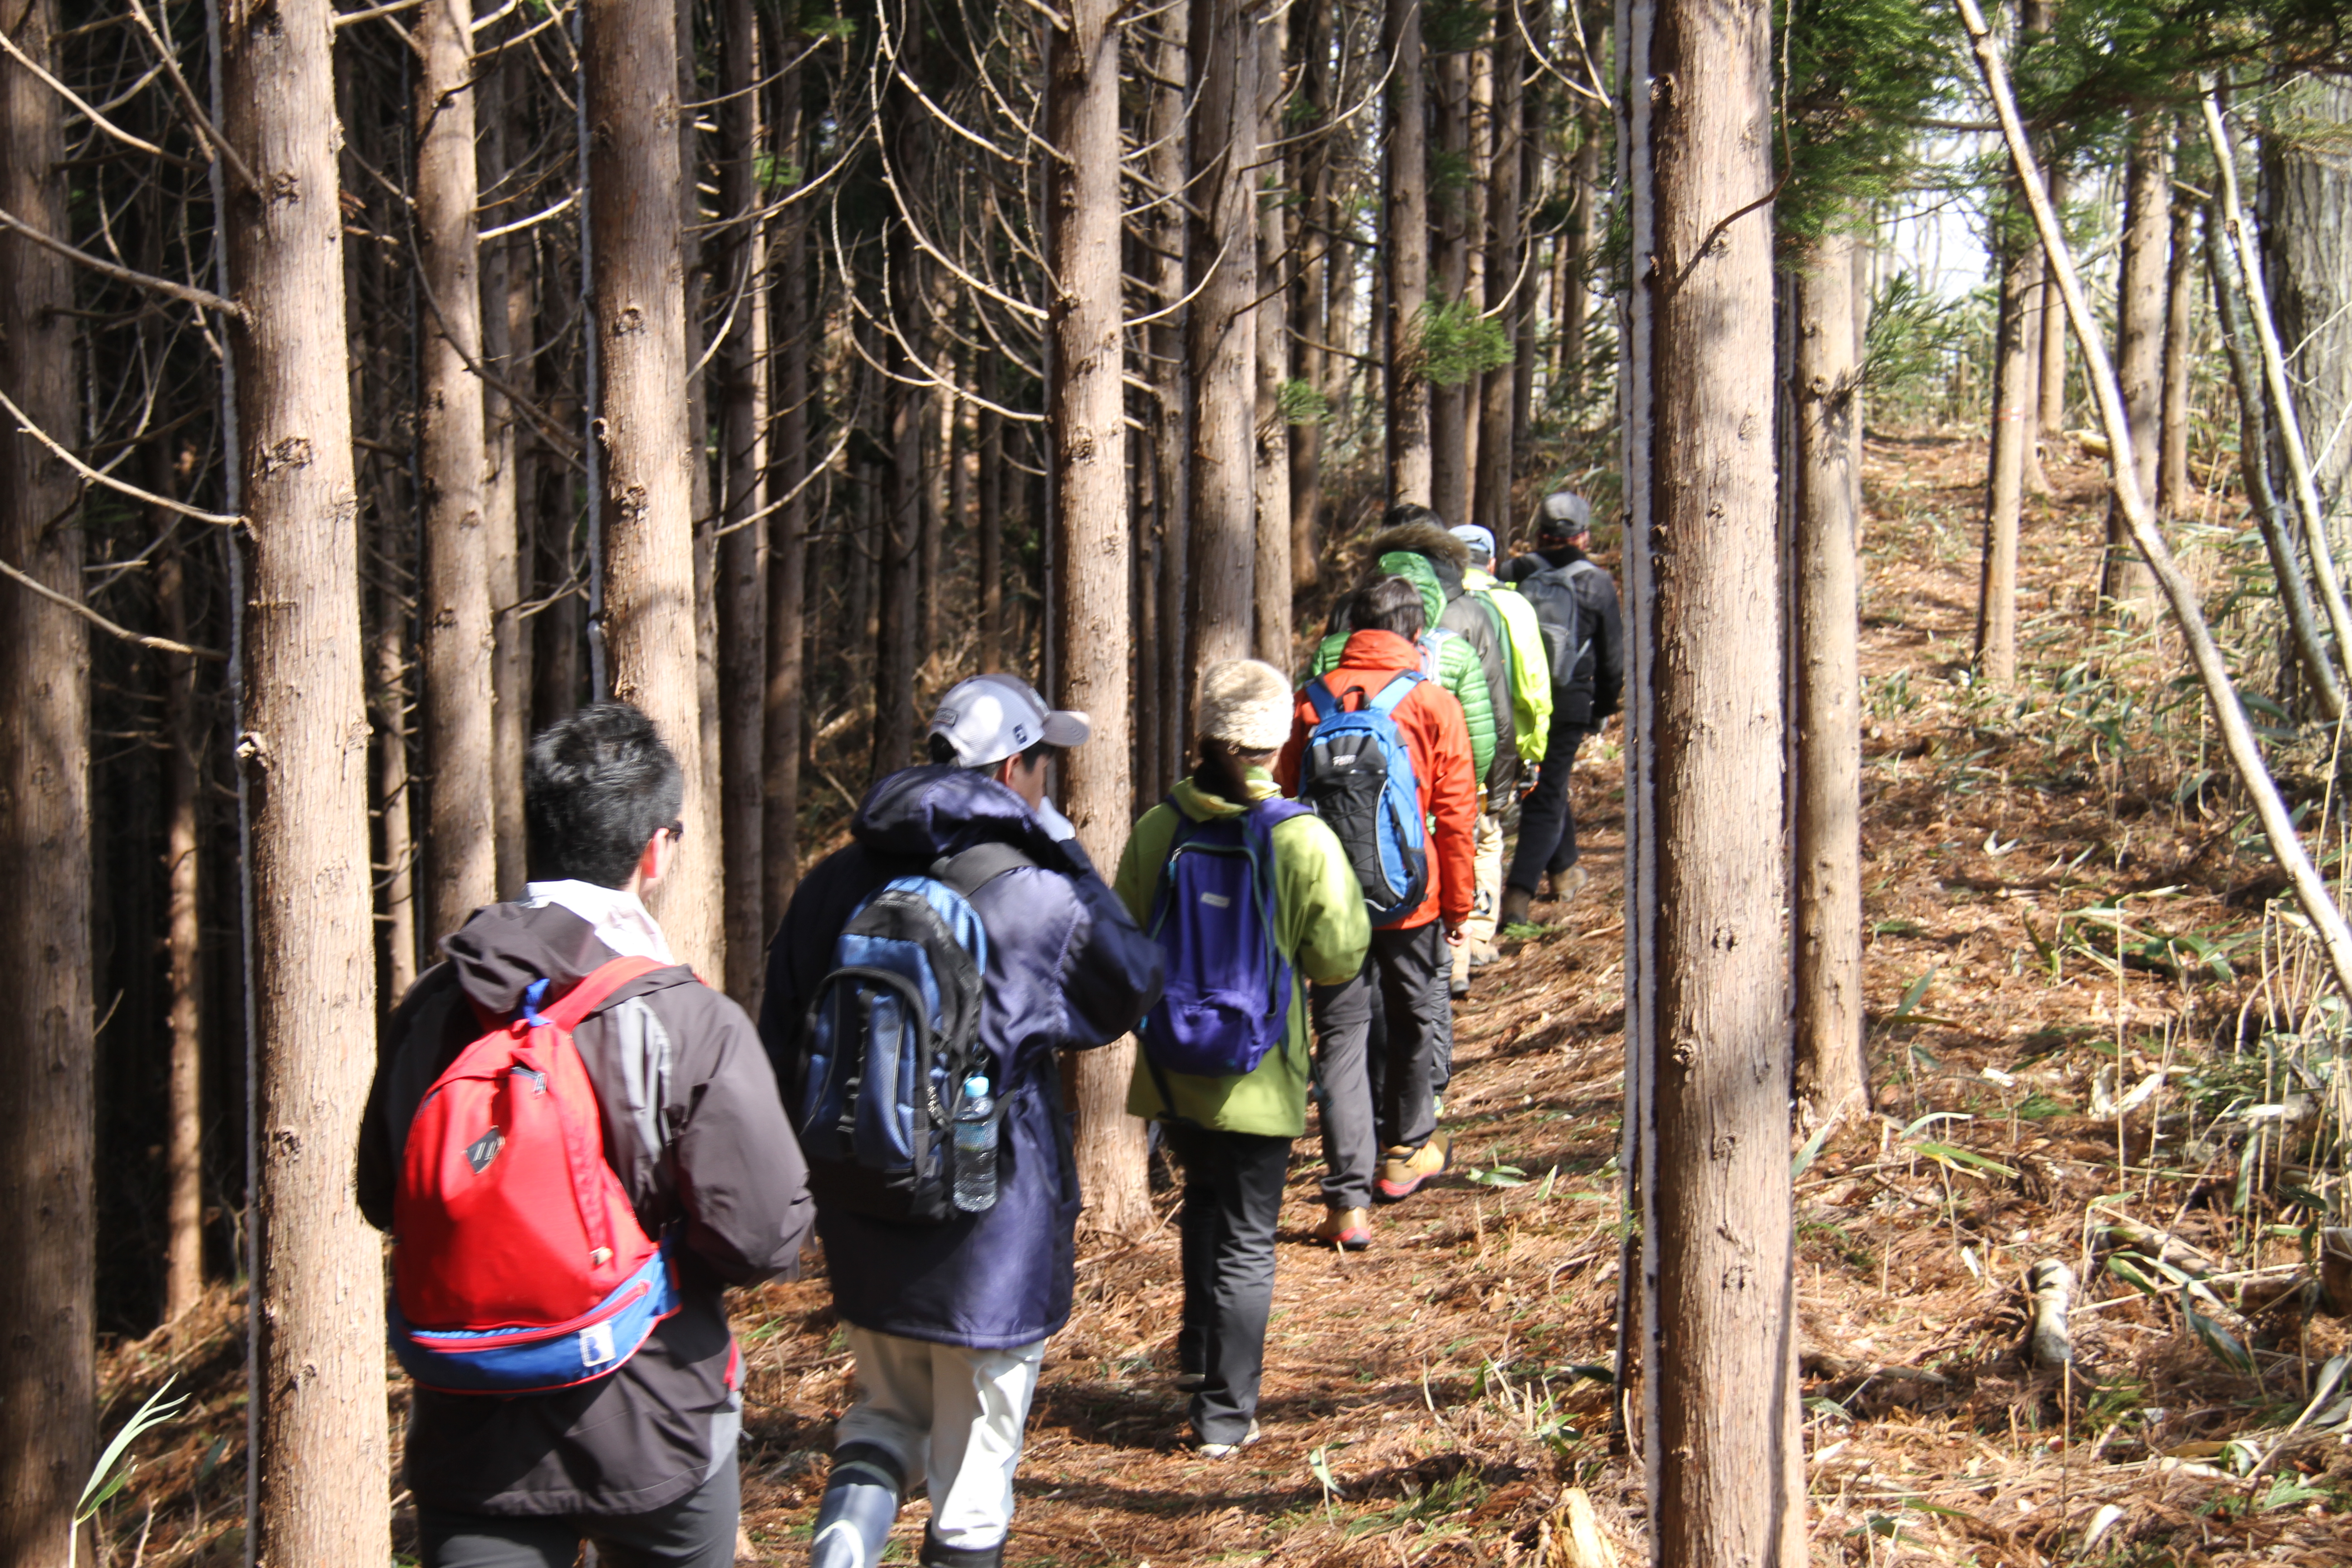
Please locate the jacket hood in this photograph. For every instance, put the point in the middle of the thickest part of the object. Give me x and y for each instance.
(1420, 572)
(505, 947)
(1422, 539)
(926, 812)
(1201, 806)
(1378, 650)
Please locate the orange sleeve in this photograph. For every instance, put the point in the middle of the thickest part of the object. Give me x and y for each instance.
(1453, 798)
(1286, 766)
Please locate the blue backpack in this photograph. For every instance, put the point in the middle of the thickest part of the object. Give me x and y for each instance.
(1227, 999)
(890, 1036)
(1357, 776)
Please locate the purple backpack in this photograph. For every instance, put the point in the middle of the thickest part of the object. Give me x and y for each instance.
(1227, 1000)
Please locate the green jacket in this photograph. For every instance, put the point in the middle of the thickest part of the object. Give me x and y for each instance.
(1458, 667)
(1530, 667)
(1320, 926)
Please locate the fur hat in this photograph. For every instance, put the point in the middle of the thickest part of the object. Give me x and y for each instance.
(1246, 704)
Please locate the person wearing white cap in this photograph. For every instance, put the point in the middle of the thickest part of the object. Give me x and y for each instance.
(1274, 905)
(948, 1321)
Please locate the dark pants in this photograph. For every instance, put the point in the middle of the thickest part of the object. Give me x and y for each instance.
(1232, 1198)
(1369, 1106)
(1547, 827)
(697, 1530)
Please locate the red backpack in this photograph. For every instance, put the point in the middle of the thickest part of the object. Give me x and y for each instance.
(518, 1262)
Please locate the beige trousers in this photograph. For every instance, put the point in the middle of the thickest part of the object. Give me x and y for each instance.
(1486, 858)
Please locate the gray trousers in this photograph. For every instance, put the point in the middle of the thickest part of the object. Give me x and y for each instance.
(1233, 1199)
(697, 1530)
(1371, 1104)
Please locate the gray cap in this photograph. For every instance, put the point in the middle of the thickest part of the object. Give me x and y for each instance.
(1565, 515)
(990, 716)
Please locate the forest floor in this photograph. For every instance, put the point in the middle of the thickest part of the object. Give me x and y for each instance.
(1435, 1399)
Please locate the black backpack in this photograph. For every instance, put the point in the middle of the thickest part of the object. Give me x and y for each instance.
(891, 1037)
(1561, 615)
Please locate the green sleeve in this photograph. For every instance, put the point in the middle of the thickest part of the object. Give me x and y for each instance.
(1325, 925)
(1467, 679)
(1139, 863)
(1326, 656)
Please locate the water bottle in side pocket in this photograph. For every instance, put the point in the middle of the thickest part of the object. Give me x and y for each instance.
(975, 1147)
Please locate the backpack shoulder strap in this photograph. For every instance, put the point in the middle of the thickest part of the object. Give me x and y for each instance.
(1575, 569)
(1320, 694)
(1394, 693)
(599, 983)
(977, 866)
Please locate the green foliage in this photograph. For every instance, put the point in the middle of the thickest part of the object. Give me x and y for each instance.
(1458, 343)
(1858, 75)
(776, 175)
(1449, 26)
(105, 1479)
(1302, 403)
(1911, 338)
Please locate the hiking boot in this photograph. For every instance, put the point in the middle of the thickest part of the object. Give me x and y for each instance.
(1459, 986)
(1565, 885)
(1227, 1450)
(1191, 1382)
(1351, 1230)
(1485, 953)
(1403, 1170)
(1513, 911)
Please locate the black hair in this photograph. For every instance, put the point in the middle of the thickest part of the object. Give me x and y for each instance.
(1406, 513)
(596, 787)
(1389, 605)
(1223, 769)
(943, 753)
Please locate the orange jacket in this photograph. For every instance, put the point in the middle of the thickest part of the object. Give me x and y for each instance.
(1439, 739)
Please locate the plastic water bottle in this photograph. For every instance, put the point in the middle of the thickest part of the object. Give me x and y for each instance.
(975, 1147)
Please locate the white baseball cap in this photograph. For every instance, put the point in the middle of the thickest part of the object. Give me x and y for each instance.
(991, 717)
(1480, 540)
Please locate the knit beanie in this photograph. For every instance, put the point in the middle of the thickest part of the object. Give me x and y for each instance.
(1246, 704)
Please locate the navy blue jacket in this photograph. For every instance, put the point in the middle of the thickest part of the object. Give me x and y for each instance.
(1066, 969)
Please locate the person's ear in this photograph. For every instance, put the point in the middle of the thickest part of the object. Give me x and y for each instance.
(655, 860)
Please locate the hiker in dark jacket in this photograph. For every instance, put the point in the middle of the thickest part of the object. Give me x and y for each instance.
(948, 1322)
(642, 1461)
(1582, 702)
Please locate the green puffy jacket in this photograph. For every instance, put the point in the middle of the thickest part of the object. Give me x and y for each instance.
(1320, 924)
(1459, 669)
(1530, 667)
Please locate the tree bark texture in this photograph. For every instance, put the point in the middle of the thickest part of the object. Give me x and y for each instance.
(1407, 236)
(1171, 379)
(1271, 322)
(184, 1256)
(2053, 415)
(1833, 1072)
(396, 878)
(47, 1392)
(1085, 420)
(1311, 161)
(2307, 179)
(2175, 492)
(909, 136)
(2139, 339)
(316, 1426)
(460, 840)
(788, 540)
(2013, 397)
(743, 567)
(1708, 1017)
(1222, 336)
(1497, 433)
(630, 65)
(508, 299)
(1449, 453)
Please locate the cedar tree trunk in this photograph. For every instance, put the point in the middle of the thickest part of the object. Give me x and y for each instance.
(1223, 335)
(2140, 342)
(1405, 180)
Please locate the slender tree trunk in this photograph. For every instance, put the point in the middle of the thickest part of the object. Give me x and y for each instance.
(896, 654)
(1407, 237)
(1449, 454)
(2140, 342)
(2052, 414)
(1316, 222)
(47, 1378)
(630, 63)
(992, 539)
(183, 1255)
(1086, 413)
(388, 674)
(318, 1447)
(702, 507)
(460, 844)
(2175, 492)
(788, 549)
(1576, 311)
(2253, 461)
(1171, 429)
(1709, 1036)
(1498, 431)
(744, 566)
(1223, 335)
(507, 306)
(1832, 1072)
(2013, 392)
(1271, 321)
(2307, 179)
